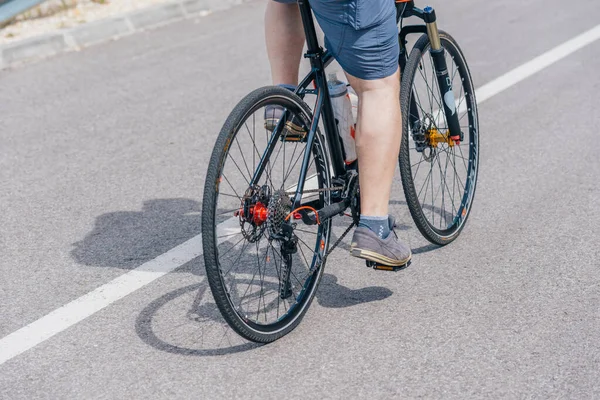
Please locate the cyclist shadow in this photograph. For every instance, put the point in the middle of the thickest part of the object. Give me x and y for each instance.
(127, 239)
(186, 320)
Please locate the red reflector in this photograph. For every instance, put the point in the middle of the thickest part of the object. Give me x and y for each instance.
(297, 215)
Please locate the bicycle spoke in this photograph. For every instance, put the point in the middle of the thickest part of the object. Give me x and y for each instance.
(262, 279)
(229, 183)
(270, 246)
(418, 102)
(436, 194)
(434, 83)
(446, 185)
(418, 167)
(243, 158)
(429, 92)
(251, 271)
(235, 263)
(229, 195)
(249, 285)
(228, 211)
(253, 139)
(296, 162)
(426, 182)
(457, 176)
(229, 235)
(432, 206)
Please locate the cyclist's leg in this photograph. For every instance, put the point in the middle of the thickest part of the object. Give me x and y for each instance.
(378, 133)
(364, 40)
(284, 35)
(363, 37)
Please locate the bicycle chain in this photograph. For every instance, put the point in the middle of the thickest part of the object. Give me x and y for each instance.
(337, 242)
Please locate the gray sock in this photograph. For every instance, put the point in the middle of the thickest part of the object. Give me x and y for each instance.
(378, 224)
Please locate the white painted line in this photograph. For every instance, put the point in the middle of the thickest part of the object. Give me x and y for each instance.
(524, 71)
(89, 304)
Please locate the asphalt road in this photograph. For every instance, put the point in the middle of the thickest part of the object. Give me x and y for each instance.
(102, 162)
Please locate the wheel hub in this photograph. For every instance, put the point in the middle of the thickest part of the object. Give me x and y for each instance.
(253, 212)
(427, 137)
(434, 137)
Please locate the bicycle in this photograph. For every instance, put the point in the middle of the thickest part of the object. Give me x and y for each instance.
(266, 243)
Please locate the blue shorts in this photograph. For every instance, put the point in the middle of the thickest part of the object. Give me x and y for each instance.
(361, 34)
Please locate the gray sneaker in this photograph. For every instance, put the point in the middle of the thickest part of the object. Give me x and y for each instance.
(390, 251)
(293, 130)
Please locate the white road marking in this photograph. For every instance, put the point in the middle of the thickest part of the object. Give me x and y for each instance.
(94, 301)
(524, 71)
(76, 311)
(90, 303)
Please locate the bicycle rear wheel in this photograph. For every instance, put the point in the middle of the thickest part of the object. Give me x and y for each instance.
(439, 175)
(261, 291)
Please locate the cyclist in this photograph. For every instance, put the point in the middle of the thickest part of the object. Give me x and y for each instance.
(363, 37)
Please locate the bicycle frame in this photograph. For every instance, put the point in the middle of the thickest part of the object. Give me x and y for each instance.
(320, 59)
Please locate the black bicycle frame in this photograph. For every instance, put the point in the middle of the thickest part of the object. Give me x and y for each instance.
(319, 59)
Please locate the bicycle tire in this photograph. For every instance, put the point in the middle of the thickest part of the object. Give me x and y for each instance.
(409, 94)
(256, 332)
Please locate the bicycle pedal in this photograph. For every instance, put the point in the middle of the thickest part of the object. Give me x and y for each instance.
(293, 133)
(382, 267)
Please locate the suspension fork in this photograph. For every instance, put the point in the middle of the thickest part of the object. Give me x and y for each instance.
(441, 71)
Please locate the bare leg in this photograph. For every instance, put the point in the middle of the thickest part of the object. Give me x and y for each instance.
(284, 35)
(379, 126)
(378, 134)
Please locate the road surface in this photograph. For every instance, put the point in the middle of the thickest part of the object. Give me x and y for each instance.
(102, 162)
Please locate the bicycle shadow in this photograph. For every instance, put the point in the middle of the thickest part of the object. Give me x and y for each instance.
(199, 330)
(333, 295)
(186, 320)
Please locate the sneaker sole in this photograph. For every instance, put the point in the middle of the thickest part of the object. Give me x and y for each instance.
(378, 258)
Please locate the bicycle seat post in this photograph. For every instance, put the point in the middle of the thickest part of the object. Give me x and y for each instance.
(314, 50)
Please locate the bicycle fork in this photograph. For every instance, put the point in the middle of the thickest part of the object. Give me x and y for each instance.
(441, 71)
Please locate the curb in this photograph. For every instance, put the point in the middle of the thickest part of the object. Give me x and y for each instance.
(48, 45)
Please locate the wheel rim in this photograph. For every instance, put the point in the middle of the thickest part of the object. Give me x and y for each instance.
(250, 262)
(443, 172)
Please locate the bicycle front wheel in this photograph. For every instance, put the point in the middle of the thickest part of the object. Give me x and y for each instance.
(439, 175)
(261, 288)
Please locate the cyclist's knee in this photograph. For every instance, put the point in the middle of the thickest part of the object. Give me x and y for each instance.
(390, 83)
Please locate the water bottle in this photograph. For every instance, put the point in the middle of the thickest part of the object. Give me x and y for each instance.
(354, 101)
(342, 110)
